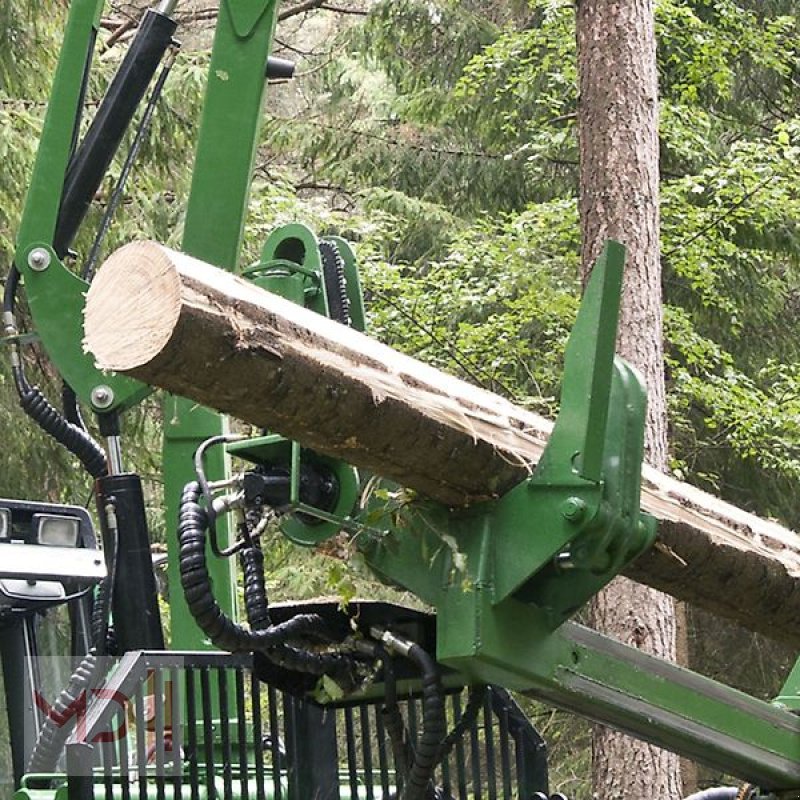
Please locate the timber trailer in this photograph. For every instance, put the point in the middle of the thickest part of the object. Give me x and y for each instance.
(310, 701)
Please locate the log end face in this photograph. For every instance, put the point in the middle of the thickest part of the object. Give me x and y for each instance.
(132, 306)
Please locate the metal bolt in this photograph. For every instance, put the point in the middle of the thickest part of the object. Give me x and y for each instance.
(564, 560)
(573, 509)
(39, 259)
(102, 396)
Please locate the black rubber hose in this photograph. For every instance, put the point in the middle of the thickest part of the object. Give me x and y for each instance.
(257, 611)
(223, 632)
(434, 726)
(716, 793)
(402, 750)
(104, 640)
(39, 409)
(77, 441)
(256, 602)
(70, 407)
(61, 718)
(335, 282)
(10, 291)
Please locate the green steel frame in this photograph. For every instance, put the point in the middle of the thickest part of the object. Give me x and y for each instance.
(505, 576)
(215, 216)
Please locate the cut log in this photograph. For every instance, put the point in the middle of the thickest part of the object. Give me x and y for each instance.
(197, 331)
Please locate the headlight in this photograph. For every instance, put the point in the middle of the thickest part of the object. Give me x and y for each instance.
(56, 531)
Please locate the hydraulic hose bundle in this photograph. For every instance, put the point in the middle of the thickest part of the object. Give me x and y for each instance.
(273, 640)
(290, 644)
(71, 435)
(427, 753)
(50, 420)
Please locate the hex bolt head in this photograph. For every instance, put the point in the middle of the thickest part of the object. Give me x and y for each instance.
(39, 259)
(102, 396)
(573, 509)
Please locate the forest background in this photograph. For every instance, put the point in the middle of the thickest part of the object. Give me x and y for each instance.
(439, 137)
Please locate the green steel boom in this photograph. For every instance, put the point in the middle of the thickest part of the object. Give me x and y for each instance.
(505, 577)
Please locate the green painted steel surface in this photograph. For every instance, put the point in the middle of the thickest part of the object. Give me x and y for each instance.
(228, 133)
(577, 669)
(556, 539)
(577, 444)
(186, 425)
(56, 295)
(213, 232)
(291, 256)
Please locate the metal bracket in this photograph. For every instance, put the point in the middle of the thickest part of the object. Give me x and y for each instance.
(555, 540)
(291, 266)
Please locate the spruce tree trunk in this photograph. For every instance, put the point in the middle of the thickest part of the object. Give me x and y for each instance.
(618, 131)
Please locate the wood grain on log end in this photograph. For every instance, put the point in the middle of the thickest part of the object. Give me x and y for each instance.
(135, 305)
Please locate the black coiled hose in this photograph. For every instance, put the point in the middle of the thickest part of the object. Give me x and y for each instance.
(104, 642)
(272, 640)
(283, 654)
(256, 602)
(76, 440)
(220, 629)
(434, 727)
(73, 436)
(335, 282)
(61, 718)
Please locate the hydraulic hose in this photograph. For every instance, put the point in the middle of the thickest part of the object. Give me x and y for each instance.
(48, 418)
(257, 611)
(103, 640)
(36, 405)
(61, 718)
(335, 282)
(434, 726)
(70, 408)
(256, 601)
(393, 719)
(220, 629)
(428, 751)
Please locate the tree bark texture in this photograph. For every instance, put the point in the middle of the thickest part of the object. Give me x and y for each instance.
(619, 196)
(202, 333)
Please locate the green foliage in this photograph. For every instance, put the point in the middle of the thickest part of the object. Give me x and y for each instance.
(497, 307)
(448, 130)
(457, 285)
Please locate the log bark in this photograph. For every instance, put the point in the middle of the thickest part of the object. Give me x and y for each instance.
(200, 332)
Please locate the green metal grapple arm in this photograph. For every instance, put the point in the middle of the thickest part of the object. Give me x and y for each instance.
(505, 576)
(213, 226)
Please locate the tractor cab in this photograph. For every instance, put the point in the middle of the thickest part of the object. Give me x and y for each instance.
(49, 568)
